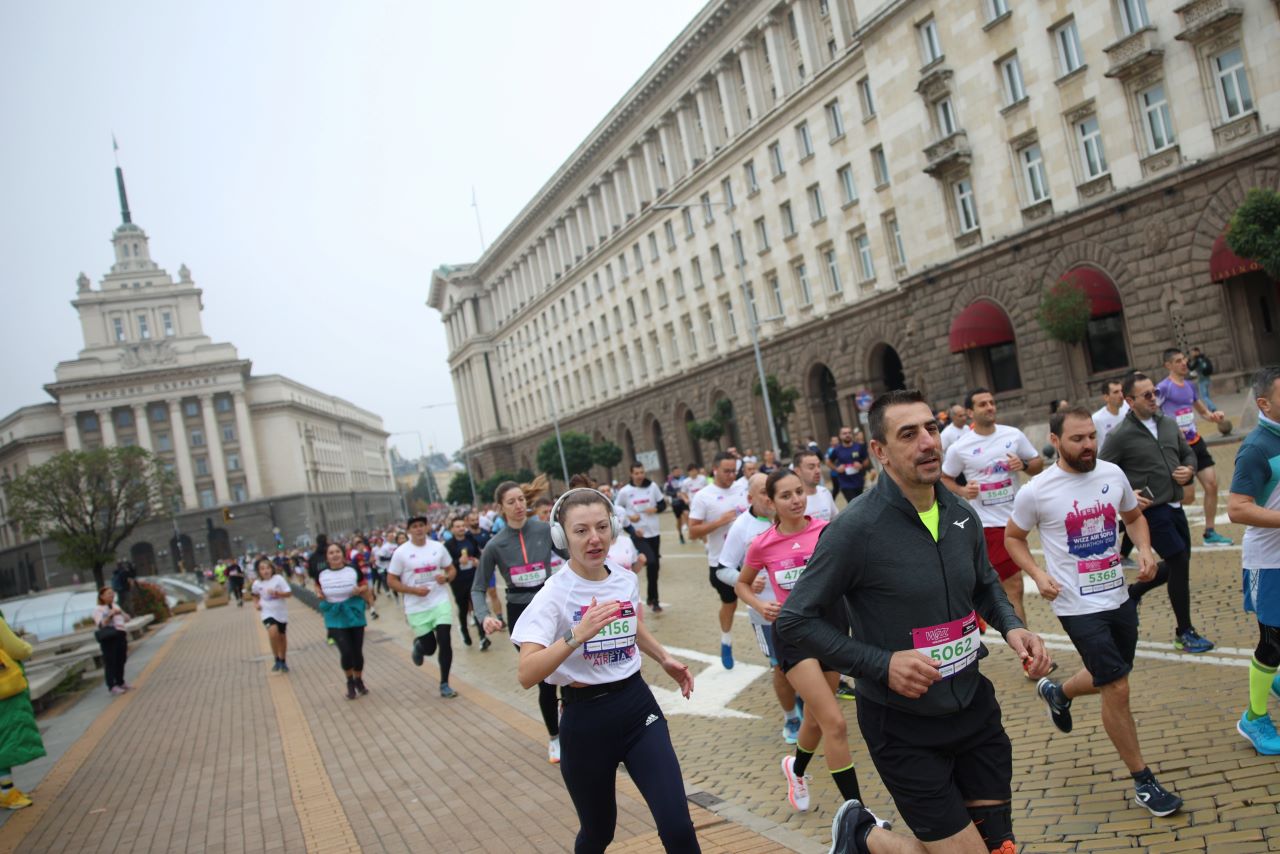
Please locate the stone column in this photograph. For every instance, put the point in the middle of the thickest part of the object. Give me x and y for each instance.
(594, 221)
(670, 151)
(143, 426)
(213, 439)
(182, 456)
(728, 99)
(778, 61)
(710, 118)
(649, 146)
(807, 33)
(751, 78)
(611, 196)
(634, 169)
(248, 446)
(71, 431)
(841, 24)
(107, 427)
(688, 134)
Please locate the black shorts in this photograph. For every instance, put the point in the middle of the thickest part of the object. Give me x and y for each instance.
(1106, 641)
(1170, 534)
(727, 594)
(678, 507)
(1204, 460)
(788, 656)
(932, 765)
(282, 628)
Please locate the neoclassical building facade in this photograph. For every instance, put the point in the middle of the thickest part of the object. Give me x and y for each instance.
(883, 191)
(282, 458)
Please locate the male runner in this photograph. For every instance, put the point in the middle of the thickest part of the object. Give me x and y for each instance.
(420, 572)
(642, 500)
(1157, 471)
(819, 504)
(679, 506)
(957, 426)
(1111, 413)
(989, 456)
(910, 560)
(1254, 500)
(848, 460)
(1077, 504)
(1180, 401)
(713, 510)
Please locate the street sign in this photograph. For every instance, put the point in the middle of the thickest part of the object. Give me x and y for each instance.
(863, 399)
(648, 459)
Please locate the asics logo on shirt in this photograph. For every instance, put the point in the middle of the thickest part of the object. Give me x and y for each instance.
(1106, 487)
(960, 524)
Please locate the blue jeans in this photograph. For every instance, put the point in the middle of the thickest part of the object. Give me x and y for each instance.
(1202, 386)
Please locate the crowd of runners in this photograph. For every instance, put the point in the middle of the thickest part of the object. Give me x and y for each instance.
(901, 584)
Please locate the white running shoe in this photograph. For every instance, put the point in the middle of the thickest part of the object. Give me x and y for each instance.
(797, 787)
(553, 751)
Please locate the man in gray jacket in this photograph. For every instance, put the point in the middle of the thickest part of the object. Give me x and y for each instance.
(910, 561)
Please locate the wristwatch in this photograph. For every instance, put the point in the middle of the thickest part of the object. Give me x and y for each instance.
(572, 641)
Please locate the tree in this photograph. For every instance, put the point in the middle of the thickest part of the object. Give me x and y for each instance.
(707, 430)
(606, 454)
(783, 403)
(1254, 230)
(423, 490)
(485, 488)
(577, 454)
(459, 491)
(1064, 310)
(89, 502)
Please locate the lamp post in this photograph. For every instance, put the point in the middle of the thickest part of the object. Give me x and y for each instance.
(753, 323)
(465, 456)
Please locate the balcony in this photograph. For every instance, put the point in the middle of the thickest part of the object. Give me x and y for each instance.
(1133, 54)
(949, 153)
(1203, 19)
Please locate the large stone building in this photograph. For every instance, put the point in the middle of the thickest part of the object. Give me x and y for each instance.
(282, 458)
(901, 181)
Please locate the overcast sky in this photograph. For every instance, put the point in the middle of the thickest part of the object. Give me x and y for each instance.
(311, 162)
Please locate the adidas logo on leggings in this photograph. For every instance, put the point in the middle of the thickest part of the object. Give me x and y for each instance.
(650, 719)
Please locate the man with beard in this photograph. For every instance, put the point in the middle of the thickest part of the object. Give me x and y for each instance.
(1077, 504)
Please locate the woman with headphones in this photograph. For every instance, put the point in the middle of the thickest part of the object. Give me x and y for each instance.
(584, 632)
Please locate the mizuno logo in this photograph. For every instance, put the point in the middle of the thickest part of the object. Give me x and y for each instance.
(650, 719)
(960, 524)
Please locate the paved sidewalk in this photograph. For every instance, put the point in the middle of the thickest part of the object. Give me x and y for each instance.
(214, 753)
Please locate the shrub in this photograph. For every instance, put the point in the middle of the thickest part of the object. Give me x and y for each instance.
(148, 598)
(1254, 231)
(1064, 311)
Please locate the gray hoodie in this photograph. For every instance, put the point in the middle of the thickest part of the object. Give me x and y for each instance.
(529, 544)
(882, 559)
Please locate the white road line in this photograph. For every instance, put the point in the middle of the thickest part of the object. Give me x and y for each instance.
(714, 687)
(1144, 653)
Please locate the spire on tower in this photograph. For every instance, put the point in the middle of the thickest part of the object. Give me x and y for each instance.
(124, 198)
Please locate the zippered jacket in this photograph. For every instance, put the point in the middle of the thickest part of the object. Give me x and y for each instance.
(1147, 461)
(878, 555)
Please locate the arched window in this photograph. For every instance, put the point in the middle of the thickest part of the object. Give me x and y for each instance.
(985, 334)
(1104, 337)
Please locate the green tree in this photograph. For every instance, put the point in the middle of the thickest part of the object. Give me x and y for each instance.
(89, 502)
(606, 454)
(577, 454)
(783, 403)
(707, 430)
(459, 491)
(485, 488)
(423, 490)
(1064, 310)
(1254, 231)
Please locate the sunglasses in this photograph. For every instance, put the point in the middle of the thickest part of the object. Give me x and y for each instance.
(1147, 395)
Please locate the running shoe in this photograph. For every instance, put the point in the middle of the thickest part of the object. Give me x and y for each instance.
(1059, 706)
(1158, 800)
(850, 820)
(657, 609)
(791, 730)
(284, 667)
(418, 655)
(1006, 847)
(275, 667)
(1212, 539)
(797, 787)
(1190, 641)
(1261, 733)
(485, 643)
(447, 692)
(351, 690)
(553, 751)
(1275, 687)
(726, 656)
(117, 690)
(466, 639)
(845, 691)
(360, 689)
(374, 614)
(12, 799)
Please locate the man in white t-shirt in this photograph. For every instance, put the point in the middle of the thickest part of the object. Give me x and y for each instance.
(420, 572)
(819, 504)
(990, 455)
(1114, 408)
(1077, 504)
(957, 426)
(712, 511)
(641, 500)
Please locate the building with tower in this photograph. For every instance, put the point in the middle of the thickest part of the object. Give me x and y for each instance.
(282, 459)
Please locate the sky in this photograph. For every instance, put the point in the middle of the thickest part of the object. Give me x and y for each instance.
(310, 162)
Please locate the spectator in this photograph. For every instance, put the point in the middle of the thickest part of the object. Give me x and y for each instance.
(1202, 370)
(20, 740)
(121, 582)
(109, 624)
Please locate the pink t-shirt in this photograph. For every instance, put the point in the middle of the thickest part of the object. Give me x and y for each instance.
(783, 557)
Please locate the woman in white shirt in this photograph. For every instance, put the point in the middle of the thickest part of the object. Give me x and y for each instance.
(345, 596)
(583, 631)
(109, 628)
(269, 591)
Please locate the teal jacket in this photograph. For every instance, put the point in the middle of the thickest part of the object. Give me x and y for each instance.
(348, 614)
(20, 740)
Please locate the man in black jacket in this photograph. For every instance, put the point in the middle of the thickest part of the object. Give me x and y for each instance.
(910, 560)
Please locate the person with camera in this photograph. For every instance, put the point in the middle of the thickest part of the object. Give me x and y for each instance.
(109, 628)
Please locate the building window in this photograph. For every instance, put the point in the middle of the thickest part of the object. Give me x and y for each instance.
(638, 255)
(686, 216)
(775, 290)
(804, 141)
(696, 267)
(228, 432)
(803, 289)
(1156, 122)
(966, 209)
(895, 241)
(238, 493)
(117, 325)
(816, 210)
(1067, 41)
(158, 413)
(1234, 98)
(233, 462)
(1033, 174)
(164, 442)
(656, 350)
(749, 175)
(89, 422)
(880, 165)
(690, 335)
(749, 297)
(775, 160)
(930, 45)
(166, 321)
(669, 231)
(717, 262)
(835, 121)
(1104, 342)
(202, 465)
(788, 219)
(622, 266)
(833, 271)
(222, 403)
(653, 246)
(726, 193)
(1133, 15)
(1002, 367)
(677, 282)
(631, 311)
(847, 187)
(190, 408)
(739, 255)
(709, 324)
(206, 498)
(645, 304)
(866, 98)
(708, 212)
(1093, 160)
(662, 293)
(996, 8)
(197, 438)
(123, 418)
(866, 266)
(946, 117)
(144, 328)
(1011, 76)
(762, 235)
(730, 319)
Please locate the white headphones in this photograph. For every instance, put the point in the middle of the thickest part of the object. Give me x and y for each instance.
(558, 538)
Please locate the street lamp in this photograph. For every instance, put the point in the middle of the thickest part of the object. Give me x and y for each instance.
(466, 458)
(739, 257)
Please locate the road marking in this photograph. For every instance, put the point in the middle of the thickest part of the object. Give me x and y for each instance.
(1157, 646)
(713, 690)
(1186, 658)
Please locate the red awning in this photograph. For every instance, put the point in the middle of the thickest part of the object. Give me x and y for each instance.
(981, 324)
(1225, 264)
(1104, 299)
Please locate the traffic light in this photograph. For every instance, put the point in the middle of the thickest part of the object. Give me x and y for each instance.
(227, 515)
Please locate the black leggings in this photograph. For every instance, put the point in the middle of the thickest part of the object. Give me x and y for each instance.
(350, 643)
(628, 727)
(1268, 650)
(461, 585)
(236, 583)
(650, 547)
(441, 640)
(547, 702)
(114, 654)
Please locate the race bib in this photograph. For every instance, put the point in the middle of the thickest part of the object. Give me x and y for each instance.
(850, 470)
(616, 640)
(528, 575)
(996, 492)
(1186, 419)
(954, 644)
(784, 576)
(425, 575)
(1100, 575)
